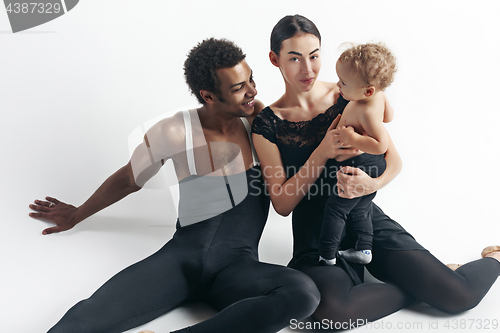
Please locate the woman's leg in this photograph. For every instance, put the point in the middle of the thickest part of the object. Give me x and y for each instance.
(256, 297)
(344, 302)
(422, 275)
(136, 295)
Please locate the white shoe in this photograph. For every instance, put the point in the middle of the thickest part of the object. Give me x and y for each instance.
(358, 257)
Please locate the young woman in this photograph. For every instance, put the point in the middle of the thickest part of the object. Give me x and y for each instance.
(295, 139)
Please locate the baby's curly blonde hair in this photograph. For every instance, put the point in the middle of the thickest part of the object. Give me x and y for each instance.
(374, 63)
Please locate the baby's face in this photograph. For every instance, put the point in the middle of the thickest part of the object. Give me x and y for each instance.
(351, 87)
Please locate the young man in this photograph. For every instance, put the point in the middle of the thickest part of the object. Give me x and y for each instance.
(213, 254)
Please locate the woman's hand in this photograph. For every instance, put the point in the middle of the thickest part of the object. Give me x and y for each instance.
(56, 212)
(354, 183)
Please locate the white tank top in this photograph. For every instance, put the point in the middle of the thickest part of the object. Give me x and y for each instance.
(203, 197)
(190, 144)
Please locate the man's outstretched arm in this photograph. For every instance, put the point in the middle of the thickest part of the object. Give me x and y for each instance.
(160, 143)
(65, 216)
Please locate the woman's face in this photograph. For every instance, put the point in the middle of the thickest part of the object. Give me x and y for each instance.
(299, 61)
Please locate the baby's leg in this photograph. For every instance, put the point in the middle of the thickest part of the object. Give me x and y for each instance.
(360, 216)
(361, 224)
(332, 229)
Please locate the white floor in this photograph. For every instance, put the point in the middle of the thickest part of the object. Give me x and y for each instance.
(72, 90)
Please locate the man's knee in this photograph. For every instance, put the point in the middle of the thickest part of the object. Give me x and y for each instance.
(331, 309)
(302, 293)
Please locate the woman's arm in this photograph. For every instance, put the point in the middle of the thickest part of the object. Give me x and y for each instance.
(356, 183)
(286, 193)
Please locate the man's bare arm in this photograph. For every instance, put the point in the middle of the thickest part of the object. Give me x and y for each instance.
(64, 216)
(128, 179)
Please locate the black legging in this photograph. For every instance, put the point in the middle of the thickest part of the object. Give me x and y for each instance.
(250, 295)
(411, 274)
(214, 261)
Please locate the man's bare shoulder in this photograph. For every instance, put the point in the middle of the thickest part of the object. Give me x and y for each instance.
(259, 106)
(171, 129)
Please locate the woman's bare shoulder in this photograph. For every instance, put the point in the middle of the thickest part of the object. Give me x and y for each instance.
(329, 87)
(280, 106)
(329, 91)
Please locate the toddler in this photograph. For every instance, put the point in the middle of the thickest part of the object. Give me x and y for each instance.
(364, 71)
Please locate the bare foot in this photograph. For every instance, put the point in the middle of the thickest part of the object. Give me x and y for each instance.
(494, 255)
(453, 267)
(146, 332)
(491, 252)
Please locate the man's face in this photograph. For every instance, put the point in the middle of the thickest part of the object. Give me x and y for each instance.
(237, 90)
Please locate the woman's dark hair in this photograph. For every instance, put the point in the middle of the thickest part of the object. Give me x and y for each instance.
(203, 61)
(290, 26)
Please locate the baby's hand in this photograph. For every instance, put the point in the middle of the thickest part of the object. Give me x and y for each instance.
(345, 134)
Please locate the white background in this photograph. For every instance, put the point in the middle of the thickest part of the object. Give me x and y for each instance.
(72, 90)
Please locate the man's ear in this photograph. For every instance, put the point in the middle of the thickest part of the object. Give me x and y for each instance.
(369, 91)
(274, 58)
(207, 96)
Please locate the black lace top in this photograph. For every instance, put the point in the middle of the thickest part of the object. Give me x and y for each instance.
(299, 133)
(296, 141)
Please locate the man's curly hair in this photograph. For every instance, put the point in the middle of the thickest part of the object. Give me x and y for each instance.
(203, 61)
(373, 63)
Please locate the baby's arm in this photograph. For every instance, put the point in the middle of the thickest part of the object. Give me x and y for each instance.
(389, 112)
(375, 141)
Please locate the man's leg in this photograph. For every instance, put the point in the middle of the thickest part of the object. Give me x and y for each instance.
(256, 297)
(136, 295)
